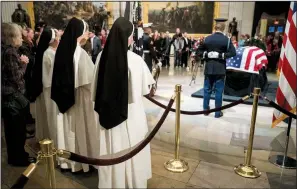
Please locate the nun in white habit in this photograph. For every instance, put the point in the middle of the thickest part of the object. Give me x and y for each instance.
(71, 90)
(54, 118)
(121, 79)
(44, 125)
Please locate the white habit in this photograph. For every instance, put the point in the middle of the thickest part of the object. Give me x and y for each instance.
(46, 108)
(134, 172)
(79, 133)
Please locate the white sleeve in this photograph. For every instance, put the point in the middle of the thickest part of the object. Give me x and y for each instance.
(96, 71)
(147, 79)
(46, 67)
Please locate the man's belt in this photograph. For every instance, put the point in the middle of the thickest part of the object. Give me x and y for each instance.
(146, 51)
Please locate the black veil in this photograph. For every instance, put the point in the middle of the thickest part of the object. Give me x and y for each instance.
(111, 101)
(43, 44)
(63, 86)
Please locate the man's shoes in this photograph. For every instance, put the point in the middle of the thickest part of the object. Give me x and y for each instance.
(206, 114)
(220, 115)
(22, 163)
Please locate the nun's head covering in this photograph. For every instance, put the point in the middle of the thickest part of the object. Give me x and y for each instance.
(55, 34)
(62, 91)
(111, 101)
(45, 38)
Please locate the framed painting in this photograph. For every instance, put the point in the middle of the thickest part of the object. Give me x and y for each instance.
(58, 13)
(195, 18)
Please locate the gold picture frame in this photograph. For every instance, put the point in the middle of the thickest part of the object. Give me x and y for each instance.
(216, 13)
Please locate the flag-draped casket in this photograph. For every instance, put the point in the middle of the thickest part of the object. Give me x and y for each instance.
(245, 71)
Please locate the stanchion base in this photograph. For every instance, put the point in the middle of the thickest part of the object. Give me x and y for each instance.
(277, 160)
(176, 165)
(247, 171)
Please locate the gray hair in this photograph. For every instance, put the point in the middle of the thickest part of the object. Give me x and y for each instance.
(11, 34)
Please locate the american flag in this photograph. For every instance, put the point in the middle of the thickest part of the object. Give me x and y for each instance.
(247, 59)
(286, 91)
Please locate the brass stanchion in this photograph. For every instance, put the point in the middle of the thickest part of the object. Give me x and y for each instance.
(247, 170)
(48, 153)
(177, 165)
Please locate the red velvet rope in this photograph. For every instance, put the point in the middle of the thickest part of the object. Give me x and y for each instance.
(276, 106)
(129, 153)
(197, 112)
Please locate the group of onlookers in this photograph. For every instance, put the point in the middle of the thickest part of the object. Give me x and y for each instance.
(182, 43)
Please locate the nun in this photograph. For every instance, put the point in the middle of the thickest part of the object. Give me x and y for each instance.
(71, 90)
(52, 113)
(43, 129)
(121, 79)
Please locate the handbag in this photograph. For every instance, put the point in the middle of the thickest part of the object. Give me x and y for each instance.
(14, 104)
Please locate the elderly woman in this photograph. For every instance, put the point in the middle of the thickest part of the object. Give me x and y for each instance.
(14, 103)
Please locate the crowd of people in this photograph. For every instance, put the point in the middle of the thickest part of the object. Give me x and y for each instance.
(183, 44)
(84, 101)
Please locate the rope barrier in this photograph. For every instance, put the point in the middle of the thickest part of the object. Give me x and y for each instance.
(119, 158)
(201, 111)
(24, 177)
(21, 182)
(276, 106)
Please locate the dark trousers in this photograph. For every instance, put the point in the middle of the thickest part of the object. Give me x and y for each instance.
(167, 60)
(15, 134)
(185, 57)
(94, 57)
(178, 59)
(215, 82)
(149, 61)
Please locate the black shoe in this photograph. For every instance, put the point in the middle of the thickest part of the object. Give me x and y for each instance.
(221, 115)
(22, 163)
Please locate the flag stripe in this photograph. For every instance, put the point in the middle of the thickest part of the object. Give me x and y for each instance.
(287, 89)
(287, 72)
(249, 58)
(254, 60)
(282, 101)
(292, 32)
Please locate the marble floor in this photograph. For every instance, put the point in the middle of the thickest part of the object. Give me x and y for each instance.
(212, 147)
(206, 170)
(227, 135)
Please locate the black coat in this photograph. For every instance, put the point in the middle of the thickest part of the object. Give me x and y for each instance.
(217, 42)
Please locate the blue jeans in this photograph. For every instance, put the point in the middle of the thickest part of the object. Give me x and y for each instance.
(215, 82)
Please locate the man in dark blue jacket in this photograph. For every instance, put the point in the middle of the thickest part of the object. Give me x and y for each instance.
(96, 46)
(149, 53)
(215, 50)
